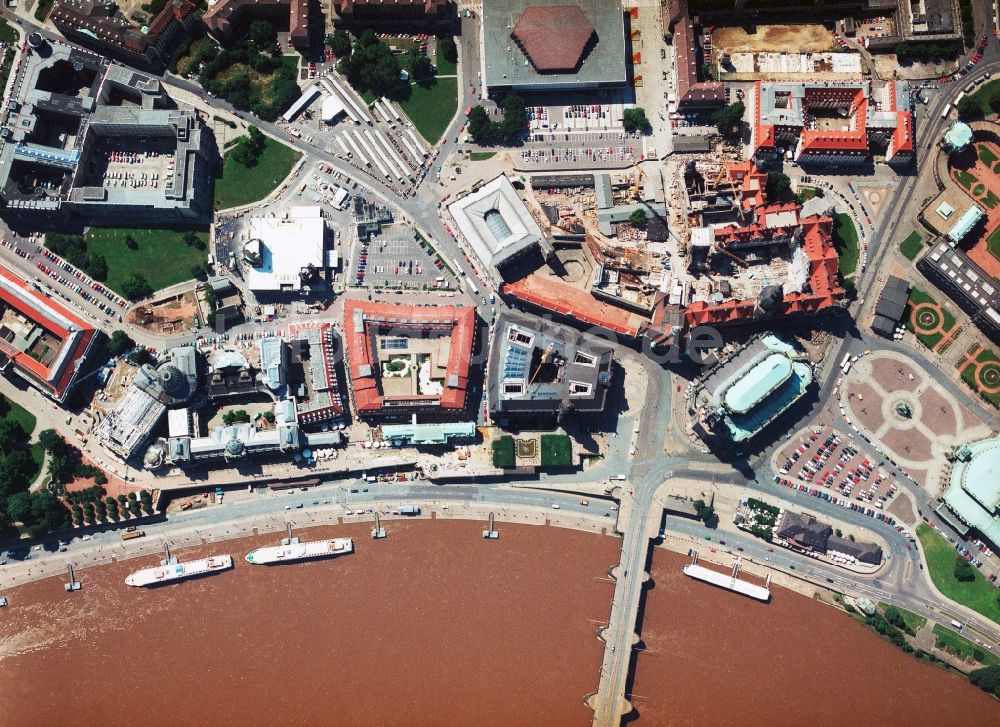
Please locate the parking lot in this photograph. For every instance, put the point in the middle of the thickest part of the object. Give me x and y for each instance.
(395, 259)
(838, 463)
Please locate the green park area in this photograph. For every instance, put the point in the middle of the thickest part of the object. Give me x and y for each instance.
(932, 323)
(912, 245)
(481, 156)
(845, 240)
(986, 156)
(984, 376)
(991, 200)
(557, 450)
(949, 641)
(978, 594)
(807, 193)
(163, 256)
(239, 184)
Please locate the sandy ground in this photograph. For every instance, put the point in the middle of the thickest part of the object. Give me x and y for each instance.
(776, 38)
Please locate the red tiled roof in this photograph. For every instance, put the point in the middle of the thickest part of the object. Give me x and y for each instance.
(36, 308)
(368, 398)
(823, 281)
(763, 134)
(571, 302)
(553, 38)
(221, 16)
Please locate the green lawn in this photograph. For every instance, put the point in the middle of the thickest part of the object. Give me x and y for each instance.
(985, 155)
(979, 190)
(980, 595)
(557, 450)
(965, 178)
(991, 199)
(912, 245)
(503, 451)
(962, 646)
(26, 419)
(993, 243)
(845, 239)
(431, 107)
(807, 193)
(162, 256)
(916, 298)
(969, 376)
(239, 185)
(481, 156)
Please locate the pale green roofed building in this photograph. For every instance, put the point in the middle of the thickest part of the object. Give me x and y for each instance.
(423, 434)
(958, 136)
(753, 387)
(973, 494)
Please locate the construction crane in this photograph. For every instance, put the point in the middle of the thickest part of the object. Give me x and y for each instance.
(732, 186)
(738, 259)
(636, 190)
(544, 360)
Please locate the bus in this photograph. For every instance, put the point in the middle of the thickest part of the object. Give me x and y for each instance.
(947, 110)
(472, 286)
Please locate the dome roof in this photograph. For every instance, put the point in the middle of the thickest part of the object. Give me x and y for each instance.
(234, 448)
(154, 456)
(172, 381)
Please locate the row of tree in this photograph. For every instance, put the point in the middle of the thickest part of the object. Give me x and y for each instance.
(73, 249)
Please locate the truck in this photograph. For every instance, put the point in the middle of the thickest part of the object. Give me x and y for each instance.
(408, 510)
(131, 534)
(957, 624)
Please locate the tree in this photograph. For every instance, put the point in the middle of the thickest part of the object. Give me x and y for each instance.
(119, 343)
(480, 126)
(135, 287)
(97, 267)
(19, 507)
(130, 243)
(704, 512)
(51, 440)
(448, 49)
(140, 356)
(261, 35)
(987, 679)
(729, 118)
(16, 470)
(893, 616)
(778, 186)
(635, 120)
(421, 68)
(964, 571)
(638, 218)
(339, 42)
(968, 108)
(199, 270)
(112, 507)
(12, 435)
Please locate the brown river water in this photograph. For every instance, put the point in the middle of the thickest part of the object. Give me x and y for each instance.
(435, 626)
(714, 658)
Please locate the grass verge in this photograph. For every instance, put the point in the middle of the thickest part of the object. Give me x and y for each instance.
(162, 256)
(238, 185)
(993, 243)
(912, 245)
(481, 156)
(979, 594)
(845, 240)
(947, 639)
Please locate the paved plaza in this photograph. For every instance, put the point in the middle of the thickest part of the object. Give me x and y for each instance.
(918, 442)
